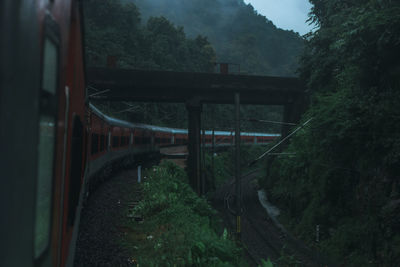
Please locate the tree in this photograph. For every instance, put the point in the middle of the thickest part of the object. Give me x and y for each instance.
(344, 176)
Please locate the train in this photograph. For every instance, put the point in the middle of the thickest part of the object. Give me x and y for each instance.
(113, 141)
(53, 142)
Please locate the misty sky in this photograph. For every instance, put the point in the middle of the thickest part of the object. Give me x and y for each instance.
(285, 14)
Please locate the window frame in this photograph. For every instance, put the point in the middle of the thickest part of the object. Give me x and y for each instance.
(48, 106)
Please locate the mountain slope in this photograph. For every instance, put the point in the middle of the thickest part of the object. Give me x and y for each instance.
(238, 34)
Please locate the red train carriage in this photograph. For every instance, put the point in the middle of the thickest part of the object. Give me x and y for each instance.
(97, 138)
(42, 102)
(223, 138)
(180, 137)
(245, 139)
(163, 136)
(115, 142)
(143, 139)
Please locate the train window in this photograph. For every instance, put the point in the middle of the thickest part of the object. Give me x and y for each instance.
(95, 144)
(75, 168)
(138, 140)
(44, 186)
(146, 140)
(115, 141)
(49, 82)
(102, 142)
(108, 140)
(46, 147)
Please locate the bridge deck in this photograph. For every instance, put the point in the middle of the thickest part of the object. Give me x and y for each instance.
(168, 86)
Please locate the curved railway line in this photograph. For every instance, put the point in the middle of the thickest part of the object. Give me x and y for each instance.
(261, 236)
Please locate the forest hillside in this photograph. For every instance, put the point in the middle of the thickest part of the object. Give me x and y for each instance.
(344, 176)
(236, 31)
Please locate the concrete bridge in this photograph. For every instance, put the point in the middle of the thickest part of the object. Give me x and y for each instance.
(194, 89)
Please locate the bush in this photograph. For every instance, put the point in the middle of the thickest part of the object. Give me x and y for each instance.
(179, 223)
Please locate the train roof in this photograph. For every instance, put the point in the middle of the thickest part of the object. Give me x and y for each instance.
(122, 123)
(208, 132)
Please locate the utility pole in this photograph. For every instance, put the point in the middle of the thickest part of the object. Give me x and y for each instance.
(203, 161)
(212, 157)
(237, 167)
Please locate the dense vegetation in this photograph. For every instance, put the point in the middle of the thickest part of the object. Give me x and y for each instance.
(238, 34)
(181, 228)
(345, 173)
(114, 29)
(221, 167)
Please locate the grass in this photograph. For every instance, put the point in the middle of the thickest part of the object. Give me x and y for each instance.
(178, 228)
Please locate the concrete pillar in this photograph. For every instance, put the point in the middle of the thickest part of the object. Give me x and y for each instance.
(194, 157)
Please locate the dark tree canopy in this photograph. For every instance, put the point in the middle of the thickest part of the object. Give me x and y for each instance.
(345, 173)
(237, 32)
(114, 29)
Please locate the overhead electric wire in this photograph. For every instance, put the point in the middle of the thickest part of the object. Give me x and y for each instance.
(280, 142)
(93, 88)
(99, 93)
(273, 122)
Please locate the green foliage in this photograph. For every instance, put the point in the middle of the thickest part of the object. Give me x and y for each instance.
(346, 165)
(237, 32)
(267, 263)
(224, 163)
(287, 260)
(113, 29)
(180, 224)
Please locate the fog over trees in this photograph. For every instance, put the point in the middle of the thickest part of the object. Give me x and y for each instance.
(238, 34)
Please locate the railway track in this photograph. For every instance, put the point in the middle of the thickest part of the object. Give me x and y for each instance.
(261, 236)
(101, 225)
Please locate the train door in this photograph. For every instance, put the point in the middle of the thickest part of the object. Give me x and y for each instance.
(131, 139)
(76, 165)
(109, 140)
